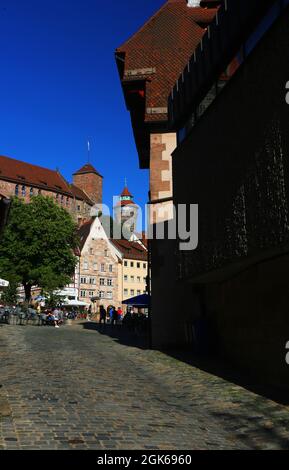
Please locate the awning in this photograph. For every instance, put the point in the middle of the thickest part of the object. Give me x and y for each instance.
(138, 301)
(75, 303)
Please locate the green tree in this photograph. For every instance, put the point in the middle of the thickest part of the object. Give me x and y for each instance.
(9, 295)
(36, 248)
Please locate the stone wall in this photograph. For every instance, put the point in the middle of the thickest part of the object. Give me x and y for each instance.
(91, 184)
(80, 210)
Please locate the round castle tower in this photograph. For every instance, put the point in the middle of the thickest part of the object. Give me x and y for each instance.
(126, 211)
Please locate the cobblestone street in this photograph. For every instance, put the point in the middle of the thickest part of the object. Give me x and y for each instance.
(74, 388)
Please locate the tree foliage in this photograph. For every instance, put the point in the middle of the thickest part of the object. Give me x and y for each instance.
(36, 248)
(9, 295)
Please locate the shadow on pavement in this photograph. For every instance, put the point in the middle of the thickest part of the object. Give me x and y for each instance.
(212, 365)
(119, 334)
(220, 368)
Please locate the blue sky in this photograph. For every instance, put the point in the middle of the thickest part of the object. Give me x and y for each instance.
(60, 87)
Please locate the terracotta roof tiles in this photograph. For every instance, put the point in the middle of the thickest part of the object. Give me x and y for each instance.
(32, 175)
(160, 50)
(131, 250)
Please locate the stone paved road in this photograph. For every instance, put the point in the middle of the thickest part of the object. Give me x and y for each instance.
(74, 388)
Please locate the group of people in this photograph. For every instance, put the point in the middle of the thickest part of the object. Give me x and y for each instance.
(54, 317)
(112, 314)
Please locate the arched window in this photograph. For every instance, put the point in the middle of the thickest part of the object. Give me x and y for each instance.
(23, 190)
(17, 190)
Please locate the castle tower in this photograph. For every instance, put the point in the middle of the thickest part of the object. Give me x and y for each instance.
(126, 210)
(89, 181)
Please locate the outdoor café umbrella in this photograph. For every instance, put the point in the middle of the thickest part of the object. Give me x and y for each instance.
(4, 283)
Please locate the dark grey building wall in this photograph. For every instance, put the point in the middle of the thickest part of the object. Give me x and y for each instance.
(235, 165)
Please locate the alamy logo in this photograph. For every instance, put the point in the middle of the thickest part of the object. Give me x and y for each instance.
(183, 226)
(287, 355)
(287, 94)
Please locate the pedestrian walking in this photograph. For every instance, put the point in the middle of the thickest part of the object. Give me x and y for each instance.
(102, 318)
(114, 318)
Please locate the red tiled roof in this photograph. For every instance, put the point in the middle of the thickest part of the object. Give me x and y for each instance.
(80, 194)
(23, 173)
(160, 50)
(125, 203)
(131, 250)
(126, 193)
(88, 168)
(83, 232)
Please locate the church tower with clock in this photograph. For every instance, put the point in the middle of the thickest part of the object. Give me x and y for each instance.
(126, 211)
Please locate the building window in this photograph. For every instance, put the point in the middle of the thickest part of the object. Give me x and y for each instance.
(109, 295)
(83, 280)
(23, 190)
(91, 251)
(138, 265)
(85, 266)
(131, 278)
(101, 295)
(125, 278)
(67, 201)
(92, 281)
(95, 266)
(102, 268)
(138, 292)
(144, 265)
(138, 279)
(39, 192)
(62, 199)
(57, 197)
(31, 192)
(110, 268)
(83, 293)
(17, 190)
(132, 292)
(106, 253)
(102, 282)
(125, 264)
(91, 293)
(78, 208)
(110, 282)
(132, 265)
(125, 292)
